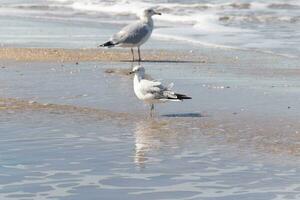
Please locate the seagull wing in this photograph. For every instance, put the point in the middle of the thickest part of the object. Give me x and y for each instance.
(155, 90)
(158, 91)
(132, 33)
(151, 86)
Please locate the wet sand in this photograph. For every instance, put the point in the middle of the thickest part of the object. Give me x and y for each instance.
(78, 55)
(78, 131)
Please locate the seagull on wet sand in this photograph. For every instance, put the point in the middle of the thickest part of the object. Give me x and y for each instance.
(152, 92)
(135, 34)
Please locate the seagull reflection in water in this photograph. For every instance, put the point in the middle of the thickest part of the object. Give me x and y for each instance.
(150, 137)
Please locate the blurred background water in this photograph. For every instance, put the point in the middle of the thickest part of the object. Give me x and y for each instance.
(269, 26)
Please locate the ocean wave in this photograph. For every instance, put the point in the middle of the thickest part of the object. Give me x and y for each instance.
(235, 21)
(285, 6)
(207, 21)
(122, 8)
(191, 13)
(32, 7)
(259, 19)
(166, 36)
(134, 6)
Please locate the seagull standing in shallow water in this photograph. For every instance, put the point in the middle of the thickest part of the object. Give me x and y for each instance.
(135, 34)
(152, 92)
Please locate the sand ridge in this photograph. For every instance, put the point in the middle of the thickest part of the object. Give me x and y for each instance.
(76, 55)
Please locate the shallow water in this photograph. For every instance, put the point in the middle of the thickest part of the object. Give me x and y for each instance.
(52, 155)
(75, 132)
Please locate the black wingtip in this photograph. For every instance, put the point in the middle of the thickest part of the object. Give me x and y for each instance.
(107, 44)
(182, 96)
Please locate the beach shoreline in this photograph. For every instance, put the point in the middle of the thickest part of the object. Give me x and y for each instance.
(222, 89)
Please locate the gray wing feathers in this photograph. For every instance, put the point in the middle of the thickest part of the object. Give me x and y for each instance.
(133, 33)
(169, 94)
(158, 90)
(151, 86)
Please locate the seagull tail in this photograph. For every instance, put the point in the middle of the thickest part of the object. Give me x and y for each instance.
(107, 44)
(182, 96)
(177, 97)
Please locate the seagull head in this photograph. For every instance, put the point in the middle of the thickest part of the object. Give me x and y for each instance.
(138, 70)
(150, 12)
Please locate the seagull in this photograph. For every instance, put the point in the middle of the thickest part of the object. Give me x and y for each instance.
(135, 34)
(152, 92)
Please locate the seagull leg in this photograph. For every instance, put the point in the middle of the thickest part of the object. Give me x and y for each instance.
(132, 54)
(151, 110)
(139, 54)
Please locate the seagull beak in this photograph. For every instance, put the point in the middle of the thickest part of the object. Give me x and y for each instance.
(157, 13)
(131, 72)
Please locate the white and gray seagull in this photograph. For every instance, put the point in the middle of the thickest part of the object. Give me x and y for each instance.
(135, 34)
(152, 92)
